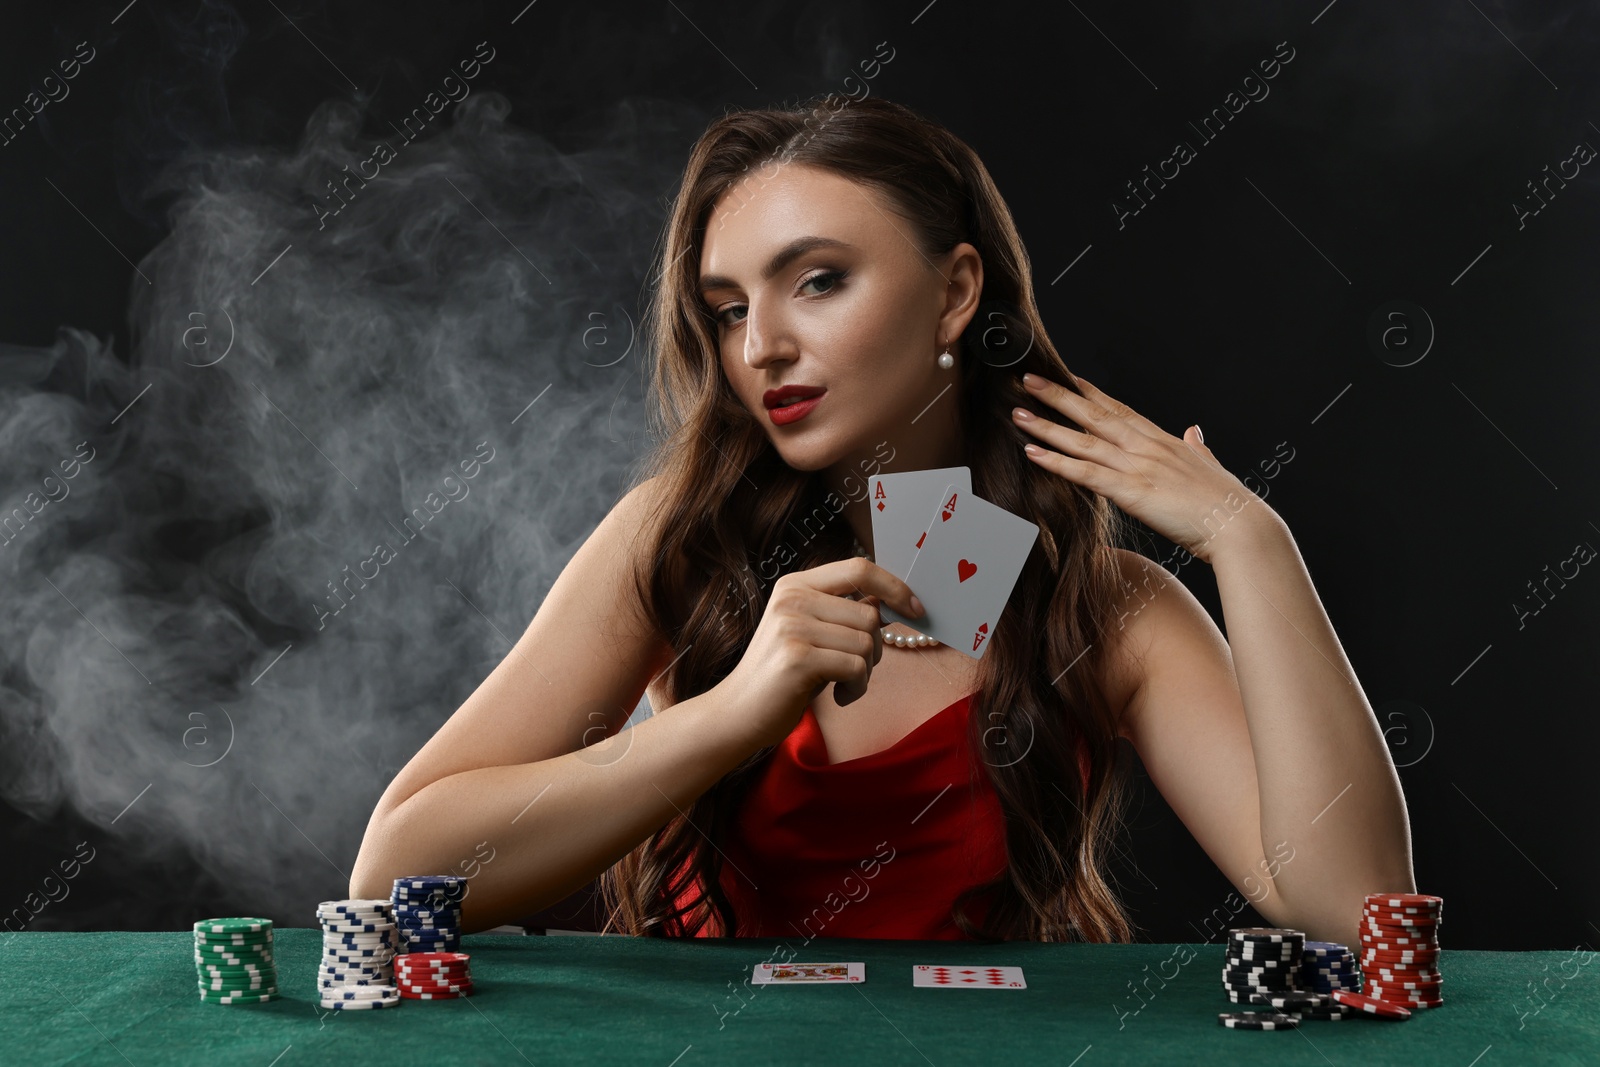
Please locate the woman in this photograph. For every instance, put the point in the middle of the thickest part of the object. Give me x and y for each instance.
(862, 254)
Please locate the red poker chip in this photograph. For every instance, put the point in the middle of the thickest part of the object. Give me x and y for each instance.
(432, 957)
(1404, 999)
(1406, 956)
(1410, 922)
(1371, 926)
(1400, 961)
(1373, 922)
(1403, 974)
(1428, 914)
(1371, 1005)
(1404, 900)
(408, 995)
(422, 976)
(1420, 1005)
(448, 968)
(1399, 978)
(1392, 943)
(411, 987)
(1409, 1002)
(1416, 989)
(1390, 915)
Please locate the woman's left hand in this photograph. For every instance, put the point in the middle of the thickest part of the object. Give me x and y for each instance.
(1173, 485)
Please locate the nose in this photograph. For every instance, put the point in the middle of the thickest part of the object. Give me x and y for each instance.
(766, 340)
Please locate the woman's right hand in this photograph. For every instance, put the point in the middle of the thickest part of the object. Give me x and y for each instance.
(813, 632)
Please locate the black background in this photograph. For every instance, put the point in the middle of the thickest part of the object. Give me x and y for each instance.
(1382, 166)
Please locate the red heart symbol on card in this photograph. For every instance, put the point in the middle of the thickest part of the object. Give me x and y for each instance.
(966, 570)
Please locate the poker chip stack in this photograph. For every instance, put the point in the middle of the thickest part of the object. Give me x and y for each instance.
(1261, 961)
(233, 960)
(433, 975)
(358, 947)
(1400, 949)
(427, 912)
(1326, 966)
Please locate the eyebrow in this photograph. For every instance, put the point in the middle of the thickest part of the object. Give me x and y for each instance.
(798, 247)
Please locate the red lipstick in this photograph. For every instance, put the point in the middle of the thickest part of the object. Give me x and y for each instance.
(791, 403)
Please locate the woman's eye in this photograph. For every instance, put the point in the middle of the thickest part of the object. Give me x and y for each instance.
(832, 277)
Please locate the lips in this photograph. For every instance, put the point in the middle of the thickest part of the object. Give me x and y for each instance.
(774, 398)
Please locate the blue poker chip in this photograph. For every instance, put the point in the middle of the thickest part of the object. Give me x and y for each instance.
(1324, 948)
(407, 915)
(413, 887)
(350, 959)
(357, 927)
(428, 900)
(368, 983)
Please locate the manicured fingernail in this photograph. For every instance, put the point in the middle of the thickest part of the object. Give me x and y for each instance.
(1030, 382)
(916, 607)
(1199, 433)
(1022, 413)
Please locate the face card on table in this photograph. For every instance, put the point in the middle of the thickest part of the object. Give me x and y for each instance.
(902, 505)
(965, 571)
(807, 973)
(963, 976)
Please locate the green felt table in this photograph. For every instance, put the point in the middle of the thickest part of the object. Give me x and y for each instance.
(130, 998)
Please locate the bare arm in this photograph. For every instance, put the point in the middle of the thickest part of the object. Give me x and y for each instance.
(532, 788)
(555, 825)
(1264, 744)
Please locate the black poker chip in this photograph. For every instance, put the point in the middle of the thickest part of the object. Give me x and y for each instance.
(1257, 1020)
(1297, 1001)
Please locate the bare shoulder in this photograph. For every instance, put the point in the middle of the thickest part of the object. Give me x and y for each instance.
(1162, 639)
(1129, 634)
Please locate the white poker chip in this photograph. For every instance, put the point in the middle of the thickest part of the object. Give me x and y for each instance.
(375, 992)
(359, 1005)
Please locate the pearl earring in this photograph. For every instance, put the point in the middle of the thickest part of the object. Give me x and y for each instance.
(946, 360)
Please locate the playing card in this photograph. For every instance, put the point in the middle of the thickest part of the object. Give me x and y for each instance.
(960, 976)
(903, 504)
(964, 573)
(807, 973)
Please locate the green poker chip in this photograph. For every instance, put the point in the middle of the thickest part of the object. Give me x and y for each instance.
(252, 997)
(212, 960)
(233, 926)
(232, 942)
(228, 988)
(214, 976)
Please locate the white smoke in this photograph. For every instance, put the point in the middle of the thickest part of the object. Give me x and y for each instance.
(311, 396)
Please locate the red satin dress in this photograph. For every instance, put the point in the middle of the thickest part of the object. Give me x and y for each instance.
(874, 847)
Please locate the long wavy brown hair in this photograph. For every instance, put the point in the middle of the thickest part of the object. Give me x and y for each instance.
(717, 536)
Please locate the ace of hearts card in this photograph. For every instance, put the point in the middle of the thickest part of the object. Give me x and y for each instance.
(965, 570)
